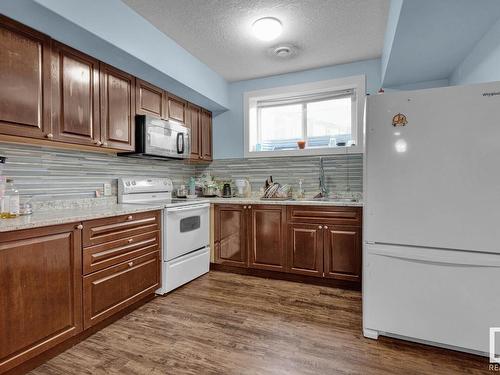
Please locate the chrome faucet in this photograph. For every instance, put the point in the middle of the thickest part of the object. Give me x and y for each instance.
(323, 190)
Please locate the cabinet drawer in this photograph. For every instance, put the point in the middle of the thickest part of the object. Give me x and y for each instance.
(113, 228)
(324, 215)
(108, 291)
(108, 254)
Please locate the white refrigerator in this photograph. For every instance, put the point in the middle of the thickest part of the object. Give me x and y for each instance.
(431, 252)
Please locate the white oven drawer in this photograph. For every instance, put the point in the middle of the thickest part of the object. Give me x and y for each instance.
(187, 228)
(180, 271)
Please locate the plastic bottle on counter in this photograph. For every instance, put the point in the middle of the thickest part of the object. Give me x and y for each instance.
(10, 203)
(4, 208)
(192, 186)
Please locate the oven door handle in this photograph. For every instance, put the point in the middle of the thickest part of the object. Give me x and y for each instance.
(188, 208)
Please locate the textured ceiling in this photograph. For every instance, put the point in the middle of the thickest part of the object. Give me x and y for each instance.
(218, 32)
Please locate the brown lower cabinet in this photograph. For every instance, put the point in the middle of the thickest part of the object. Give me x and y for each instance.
(250, 236)
(110, 290)
(41, 289)
(318, 241)
(58, 281)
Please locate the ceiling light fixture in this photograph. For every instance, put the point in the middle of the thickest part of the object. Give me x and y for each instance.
(267, 28)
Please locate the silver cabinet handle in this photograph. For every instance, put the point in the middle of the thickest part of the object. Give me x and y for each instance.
(50, 136)
(130, 240)
(130, 217)
(105, 144)
(326, 227)
(320, 227)
(98, 143)
(249, 206)
(130, 264)
(244, 207)
(79, 226)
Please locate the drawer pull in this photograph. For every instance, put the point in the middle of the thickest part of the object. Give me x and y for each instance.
(130, 264)
(326, 226)
(320, 227)
(130, 217)
(244, 207)
(249, 207)
(130, 240)
(79, 226)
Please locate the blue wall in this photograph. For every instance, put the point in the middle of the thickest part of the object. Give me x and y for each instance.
(229, 126)
(483, 62)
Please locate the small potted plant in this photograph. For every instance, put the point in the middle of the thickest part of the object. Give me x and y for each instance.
(301, 144)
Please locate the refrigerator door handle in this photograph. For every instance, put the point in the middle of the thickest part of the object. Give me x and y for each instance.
(450, 258)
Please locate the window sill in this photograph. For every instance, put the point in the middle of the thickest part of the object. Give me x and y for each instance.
(305, 152)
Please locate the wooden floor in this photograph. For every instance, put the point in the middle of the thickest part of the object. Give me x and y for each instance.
(232, 324)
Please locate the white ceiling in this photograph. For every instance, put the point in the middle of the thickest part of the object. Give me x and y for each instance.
(218, 32)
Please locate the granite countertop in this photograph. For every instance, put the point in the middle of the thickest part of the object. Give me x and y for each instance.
(72, 215)
(291, 202)
(59, 215)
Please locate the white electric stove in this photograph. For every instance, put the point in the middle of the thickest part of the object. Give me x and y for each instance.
(185, 228)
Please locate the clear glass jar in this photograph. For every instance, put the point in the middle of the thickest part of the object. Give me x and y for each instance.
(10, 203)
(4, 208)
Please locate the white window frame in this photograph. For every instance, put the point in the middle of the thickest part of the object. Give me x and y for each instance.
(356, 83)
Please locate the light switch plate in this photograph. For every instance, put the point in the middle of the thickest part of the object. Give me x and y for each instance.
(107, 190)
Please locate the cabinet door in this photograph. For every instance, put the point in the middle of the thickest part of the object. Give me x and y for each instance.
(40, 283)
(75, 97)
(267, 237)
(342, 252)
(206, 136)
(150, 100)
(176, 108)
(108, 291)
(305, 249)
(117, 109)
(194, 119)
(25, 81)
(230, 235)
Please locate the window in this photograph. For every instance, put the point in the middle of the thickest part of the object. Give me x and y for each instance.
(326, 116)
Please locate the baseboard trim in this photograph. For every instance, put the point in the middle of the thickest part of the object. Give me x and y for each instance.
(343, 284)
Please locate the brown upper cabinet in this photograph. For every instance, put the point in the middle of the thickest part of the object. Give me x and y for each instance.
(25, 81)
(117, 108)
(150, 100)
(51, 91)
(176, 108)
(193, 122)
(75, 99)
(206, 136)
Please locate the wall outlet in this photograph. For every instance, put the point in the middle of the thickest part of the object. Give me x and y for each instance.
(107, 190)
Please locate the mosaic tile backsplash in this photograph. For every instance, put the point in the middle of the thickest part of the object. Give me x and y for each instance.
(343, 173)
(55, 174)
(48, 174)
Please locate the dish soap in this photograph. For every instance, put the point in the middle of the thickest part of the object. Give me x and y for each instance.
(301, 193)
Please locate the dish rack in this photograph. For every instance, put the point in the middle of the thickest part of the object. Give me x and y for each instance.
(276, 191)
